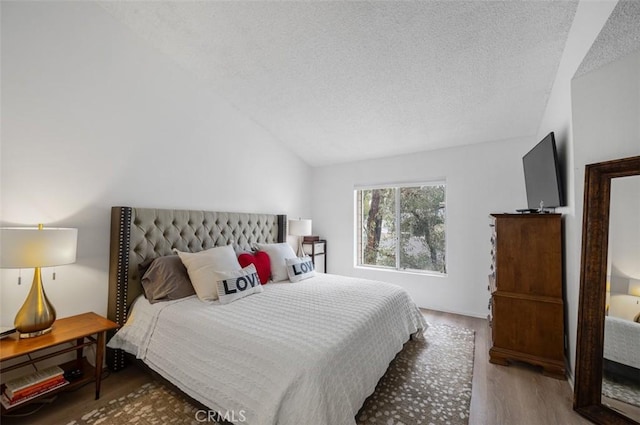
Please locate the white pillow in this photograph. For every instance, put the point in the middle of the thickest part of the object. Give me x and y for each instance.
(300, 268)
(202, 265)
(278, 254)
(237, 284)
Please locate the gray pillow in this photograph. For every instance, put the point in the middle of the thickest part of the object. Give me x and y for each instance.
(166, 279)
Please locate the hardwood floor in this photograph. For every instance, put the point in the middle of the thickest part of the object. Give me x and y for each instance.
(510, 395)
(67, 406)
(514, 395)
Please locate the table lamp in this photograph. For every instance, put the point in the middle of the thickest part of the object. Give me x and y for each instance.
(300, 228)
(25, 247)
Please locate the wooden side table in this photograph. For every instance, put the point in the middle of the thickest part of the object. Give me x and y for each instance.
(317, 250)
(78, 330)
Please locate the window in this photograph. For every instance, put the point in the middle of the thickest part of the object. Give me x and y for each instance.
(402, 227)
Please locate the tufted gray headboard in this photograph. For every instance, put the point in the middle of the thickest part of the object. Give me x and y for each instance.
(142, 234)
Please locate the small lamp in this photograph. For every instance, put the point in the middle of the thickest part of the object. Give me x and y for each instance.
(25, 247)
(634, 287)
(300, 228)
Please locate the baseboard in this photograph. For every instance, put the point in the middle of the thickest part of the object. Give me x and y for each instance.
(570, 378)
(460, 313)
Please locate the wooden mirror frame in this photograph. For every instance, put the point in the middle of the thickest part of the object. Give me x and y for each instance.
(595, 239)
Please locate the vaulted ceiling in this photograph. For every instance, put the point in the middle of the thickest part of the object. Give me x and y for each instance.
(343, 81)
(619, 36)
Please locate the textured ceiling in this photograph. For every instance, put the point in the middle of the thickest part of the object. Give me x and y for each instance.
(343, 81)
(619, 37)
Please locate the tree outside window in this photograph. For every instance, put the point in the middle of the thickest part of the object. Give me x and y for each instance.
(402, 227)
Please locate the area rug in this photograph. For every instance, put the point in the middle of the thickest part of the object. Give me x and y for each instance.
(623, 390)
(429, 382)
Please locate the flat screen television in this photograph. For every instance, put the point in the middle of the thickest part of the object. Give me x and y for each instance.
(542, 176)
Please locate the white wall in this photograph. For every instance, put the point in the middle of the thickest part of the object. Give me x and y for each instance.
(481, 179)
(588, 21)
(92, 117)
(606, 116)
(590, 17)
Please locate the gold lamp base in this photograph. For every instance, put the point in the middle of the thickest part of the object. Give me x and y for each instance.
(36, 316)
(36, 333)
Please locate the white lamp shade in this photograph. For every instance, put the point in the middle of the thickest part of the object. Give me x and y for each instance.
(634, 287)
(26, 247)
(300, 227)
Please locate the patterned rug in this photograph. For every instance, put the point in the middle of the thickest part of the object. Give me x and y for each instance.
(623, 390)
(429, 382)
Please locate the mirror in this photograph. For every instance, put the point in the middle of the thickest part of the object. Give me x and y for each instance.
(603, 277)
(621, 364)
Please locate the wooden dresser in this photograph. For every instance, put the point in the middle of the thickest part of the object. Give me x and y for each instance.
(526, 311)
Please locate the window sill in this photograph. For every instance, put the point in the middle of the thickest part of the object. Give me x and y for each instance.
(401, 271)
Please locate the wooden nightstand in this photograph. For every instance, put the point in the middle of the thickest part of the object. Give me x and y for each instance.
(317, 250)
(79, 331)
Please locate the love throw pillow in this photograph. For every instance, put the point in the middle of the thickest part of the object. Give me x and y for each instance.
(262, 262)
(238, 284)
(300, 268)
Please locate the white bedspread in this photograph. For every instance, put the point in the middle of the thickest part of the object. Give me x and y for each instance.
(622, 341)
(299, 353)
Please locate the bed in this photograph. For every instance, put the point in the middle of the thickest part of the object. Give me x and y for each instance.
(306, 352)
(622, 342)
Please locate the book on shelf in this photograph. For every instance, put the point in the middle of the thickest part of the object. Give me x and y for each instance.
(33, 388)
(16, 401)
(37, 377)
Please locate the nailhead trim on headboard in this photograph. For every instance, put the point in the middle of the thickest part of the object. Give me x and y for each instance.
(118, 276)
